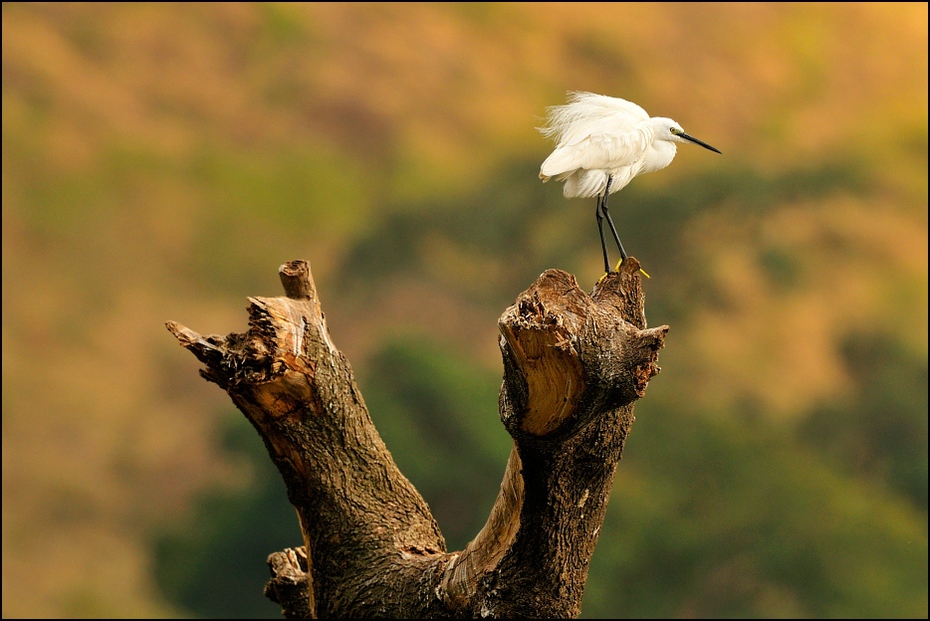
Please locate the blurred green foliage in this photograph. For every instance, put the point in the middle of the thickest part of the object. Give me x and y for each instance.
(193, 562)
(880, 435)
(423, 395)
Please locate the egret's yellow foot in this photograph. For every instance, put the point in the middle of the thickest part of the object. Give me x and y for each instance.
(641, 270)
(617, 269)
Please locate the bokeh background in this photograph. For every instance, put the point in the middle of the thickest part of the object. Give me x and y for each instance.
(160, 162)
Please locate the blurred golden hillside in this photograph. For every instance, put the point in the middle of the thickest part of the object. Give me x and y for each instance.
(160, 161)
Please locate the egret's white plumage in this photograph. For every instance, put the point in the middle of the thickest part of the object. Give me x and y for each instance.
(602, 143)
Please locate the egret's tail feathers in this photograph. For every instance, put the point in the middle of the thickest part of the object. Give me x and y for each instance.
(559, 162)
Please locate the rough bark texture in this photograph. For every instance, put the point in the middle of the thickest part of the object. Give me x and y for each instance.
(574, 364)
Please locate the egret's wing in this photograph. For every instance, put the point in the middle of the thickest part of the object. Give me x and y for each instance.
(595, 132)
(602, 150)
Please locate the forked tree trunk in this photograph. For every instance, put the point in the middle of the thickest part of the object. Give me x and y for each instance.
(574, 364)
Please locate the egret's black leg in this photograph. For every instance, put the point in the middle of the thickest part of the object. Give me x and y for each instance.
(610, 221)
(600, 229)
(613, 230)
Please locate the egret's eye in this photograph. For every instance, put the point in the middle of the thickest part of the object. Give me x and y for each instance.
(675, 131)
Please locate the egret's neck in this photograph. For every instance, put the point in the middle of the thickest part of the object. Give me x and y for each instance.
(661, 153)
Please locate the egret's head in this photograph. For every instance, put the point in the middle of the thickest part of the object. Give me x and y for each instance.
(667, 129)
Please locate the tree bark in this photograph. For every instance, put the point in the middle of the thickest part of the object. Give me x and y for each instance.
(574, 364)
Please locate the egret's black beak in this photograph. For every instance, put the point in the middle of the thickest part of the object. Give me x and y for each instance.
(696, 141)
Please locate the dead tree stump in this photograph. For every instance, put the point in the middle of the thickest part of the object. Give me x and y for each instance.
(574, 364)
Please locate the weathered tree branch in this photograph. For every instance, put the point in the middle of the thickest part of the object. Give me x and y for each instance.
(574, 364)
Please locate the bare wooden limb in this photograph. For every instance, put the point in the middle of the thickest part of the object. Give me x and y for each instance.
(590, 357)
(573, 366)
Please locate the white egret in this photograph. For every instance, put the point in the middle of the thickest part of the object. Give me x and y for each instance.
(602, 143)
